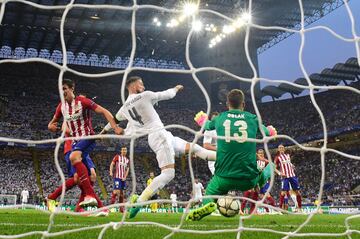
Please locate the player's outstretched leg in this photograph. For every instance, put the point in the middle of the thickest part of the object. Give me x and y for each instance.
(199, 213)
(134, 210)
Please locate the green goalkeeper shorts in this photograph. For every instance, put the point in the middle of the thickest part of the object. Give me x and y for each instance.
(221, 186)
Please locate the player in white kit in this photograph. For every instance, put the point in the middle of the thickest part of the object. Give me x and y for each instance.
(198, 191)
(209, 142)
(139, 111)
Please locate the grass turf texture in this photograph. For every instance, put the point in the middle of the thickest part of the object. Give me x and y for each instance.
(22, 221)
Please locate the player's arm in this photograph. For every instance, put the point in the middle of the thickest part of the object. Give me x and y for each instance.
(207, 142)
(118, 118)
(111, 168)
(126, 173)
(53, 124)
(108, 116)
(165, 95)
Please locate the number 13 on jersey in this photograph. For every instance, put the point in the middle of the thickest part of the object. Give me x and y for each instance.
(241, 125)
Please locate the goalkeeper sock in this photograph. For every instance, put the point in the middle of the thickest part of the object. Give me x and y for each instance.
(255, 197)
(69, 184)
(246, 194)
(281, 203)
(158, 183)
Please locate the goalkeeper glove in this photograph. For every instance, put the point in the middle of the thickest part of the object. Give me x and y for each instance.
(272, 130)
(200, 118)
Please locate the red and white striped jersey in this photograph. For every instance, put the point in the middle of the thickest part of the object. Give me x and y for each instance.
(121, 165)
(283, 161)
(261, 164)
(77, 115)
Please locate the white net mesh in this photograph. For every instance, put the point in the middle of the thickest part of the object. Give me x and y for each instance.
(193, 71)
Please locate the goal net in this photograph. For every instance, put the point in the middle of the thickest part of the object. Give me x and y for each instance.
(193, 71)
(7, 200)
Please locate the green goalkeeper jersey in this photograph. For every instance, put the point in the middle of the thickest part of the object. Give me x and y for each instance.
(236, 158)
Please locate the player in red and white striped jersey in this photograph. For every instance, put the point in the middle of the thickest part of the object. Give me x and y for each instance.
(76, 113)
(121, 165)
(283, 162)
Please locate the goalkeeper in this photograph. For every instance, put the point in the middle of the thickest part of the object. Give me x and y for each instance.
(235, 165)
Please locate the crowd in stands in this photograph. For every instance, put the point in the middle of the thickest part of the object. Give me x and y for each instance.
(32, 104)
(340, 175)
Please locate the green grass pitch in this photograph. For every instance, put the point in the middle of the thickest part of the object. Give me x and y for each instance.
(19, 221)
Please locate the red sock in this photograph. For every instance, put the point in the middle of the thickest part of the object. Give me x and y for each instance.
(113, 198)
(100, 204)
(84, 180)
(298, 199)
(69, 183)
(246, 194)
(254, 197)
(78, 208)
(269, 200)
(121, 200)
(281, 203)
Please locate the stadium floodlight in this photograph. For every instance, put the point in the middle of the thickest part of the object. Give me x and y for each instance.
(246, 16)
(218, 38)
(158, 24)
(197, 25)
(228, 29)
(190, 8)
(155, 20)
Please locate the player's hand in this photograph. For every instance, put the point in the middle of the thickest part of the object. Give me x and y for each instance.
(118, 130)
(272, 130)
(53, 127)
(200, 118)
(179, 88)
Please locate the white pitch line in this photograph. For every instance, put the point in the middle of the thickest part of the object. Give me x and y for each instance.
(172, 225)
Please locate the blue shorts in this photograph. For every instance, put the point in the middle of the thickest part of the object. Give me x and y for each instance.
(264, 188)
(119, 184)
(85, 146)
(286, 182)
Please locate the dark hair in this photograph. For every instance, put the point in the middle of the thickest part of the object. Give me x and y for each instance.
(235, 98)
(69, 83)
(132, 79)
(213, 114)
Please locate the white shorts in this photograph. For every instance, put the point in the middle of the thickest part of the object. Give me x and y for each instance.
(166, 146)
(24, 200)
(198, 198)
(211, 165)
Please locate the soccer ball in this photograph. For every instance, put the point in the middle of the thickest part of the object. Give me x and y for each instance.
(228, 206)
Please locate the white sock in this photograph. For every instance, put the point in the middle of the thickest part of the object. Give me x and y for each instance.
(158, 183)
(204, 153)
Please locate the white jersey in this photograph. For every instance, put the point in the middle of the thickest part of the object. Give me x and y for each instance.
(173, 198)
(24, 196)
(198, 187)
(209, 139)
(139, 110)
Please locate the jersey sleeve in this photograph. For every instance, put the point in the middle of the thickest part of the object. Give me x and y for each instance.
(58, 113)
(114, 159)
(161, 95)
(266, 131)
(210, 125)
(87, 103)
(207, 137)
(120, 116)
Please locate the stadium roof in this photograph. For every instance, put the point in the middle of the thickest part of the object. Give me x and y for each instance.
(107, 32)
(341, 72)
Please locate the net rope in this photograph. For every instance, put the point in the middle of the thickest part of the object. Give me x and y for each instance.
(193, 71)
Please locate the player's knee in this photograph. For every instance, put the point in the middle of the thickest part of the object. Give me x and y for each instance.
(76, 178)
(167, 175)
(92, 175)
(75, 157)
